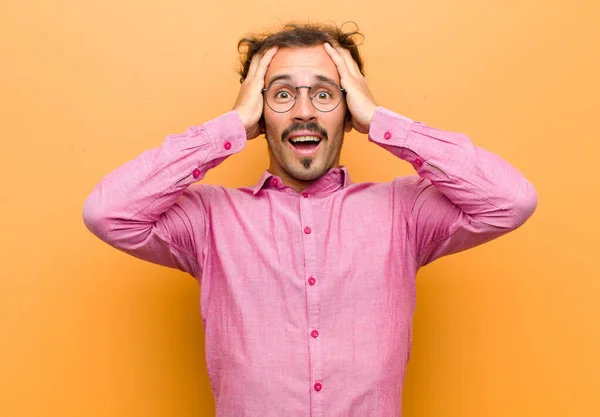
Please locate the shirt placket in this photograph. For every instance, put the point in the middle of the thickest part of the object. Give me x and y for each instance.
(313, 317)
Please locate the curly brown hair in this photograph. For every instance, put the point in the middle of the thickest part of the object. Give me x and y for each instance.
(296, 35)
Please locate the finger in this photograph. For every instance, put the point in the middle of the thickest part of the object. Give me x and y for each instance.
(264, 62)
(339, 62)
(350, 62)
(253, 65)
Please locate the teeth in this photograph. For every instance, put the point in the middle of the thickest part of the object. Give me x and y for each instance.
(305, 139)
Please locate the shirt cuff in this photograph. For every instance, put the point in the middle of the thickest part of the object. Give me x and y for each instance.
(227, 134)
(389, 128)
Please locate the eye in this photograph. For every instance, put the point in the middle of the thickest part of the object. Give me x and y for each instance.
(323, 95)
(324, 92)
(282, 95)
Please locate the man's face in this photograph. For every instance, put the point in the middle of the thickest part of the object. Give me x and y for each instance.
(286, 132)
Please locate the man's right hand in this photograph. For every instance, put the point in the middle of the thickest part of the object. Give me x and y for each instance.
(249, 104)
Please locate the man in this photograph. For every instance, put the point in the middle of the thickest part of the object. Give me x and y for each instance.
(307, 279)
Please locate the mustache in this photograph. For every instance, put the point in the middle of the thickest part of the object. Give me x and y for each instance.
(310, 126)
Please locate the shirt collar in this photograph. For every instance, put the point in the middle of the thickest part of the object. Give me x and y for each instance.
(335, 179)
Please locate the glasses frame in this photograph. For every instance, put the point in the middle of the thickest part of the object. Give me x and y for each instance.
(264, 90)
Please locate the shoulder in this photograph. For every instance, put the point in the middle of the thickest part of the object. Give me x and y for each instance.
(217, 191)
(406, 184)
(209, 196)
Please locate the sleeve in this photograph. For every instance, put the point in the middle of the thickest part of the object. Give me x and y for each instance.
(144, 207)
(463, 196)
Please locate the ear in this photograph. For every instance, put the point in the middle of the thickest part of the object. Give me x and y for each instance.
(348, 122)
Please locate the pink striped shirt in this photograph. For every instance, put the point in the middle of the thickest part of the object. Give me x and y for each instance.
(307, 299)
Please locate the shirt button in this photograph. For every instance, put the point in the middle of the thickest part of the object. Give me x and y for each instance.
(305, 195)
(307, 230)
(227, 145)
(196, 173)
(312, 281)
(314, 334)
(274, 182)
(318, 386)
(387, 135)
(419, 162)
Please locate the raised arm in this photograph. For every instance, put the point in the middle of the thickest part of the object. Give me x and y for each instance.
(464, 195)
(144, 207)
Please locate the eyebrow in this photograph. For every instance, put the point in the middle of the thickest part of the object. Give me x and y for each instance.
(287, 77)
(279, 77)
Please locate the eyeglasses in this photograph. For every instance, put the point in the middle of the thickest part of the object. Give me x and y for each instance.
(325, 96)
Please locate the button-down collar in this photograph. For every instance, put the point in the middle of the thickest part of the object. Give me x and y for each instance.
(335, 179)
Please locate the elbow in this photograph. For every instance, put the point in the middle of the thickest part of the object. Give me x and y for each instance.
(108, 224)
(94, 217)
(524, 205)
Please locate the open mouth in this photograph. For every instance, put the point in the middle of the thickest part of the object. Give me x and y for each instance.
(305, 145)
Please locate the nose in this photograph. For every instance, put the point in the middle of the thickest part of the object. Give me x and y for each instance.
(303, 110)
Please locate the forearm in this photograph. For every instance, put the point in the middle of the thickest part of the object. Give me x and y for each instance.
(124, 206)
(480, 183)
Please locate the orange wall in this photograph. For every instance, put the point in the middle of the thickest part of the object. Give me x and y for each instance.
(508, 329)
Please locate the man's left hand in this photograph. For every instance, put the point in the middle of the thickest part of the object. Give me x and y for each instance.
(361, 103)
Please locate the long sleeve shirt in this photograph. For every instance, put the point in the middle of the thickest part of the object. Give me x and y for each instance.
(307, 299)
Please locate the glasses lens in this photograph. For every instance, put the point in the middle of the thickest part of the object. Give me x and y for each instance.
(326, 96)
(281, 97)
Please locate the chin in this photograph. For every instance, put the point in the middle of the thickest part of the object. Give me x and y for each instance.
(311, 174)
(307, 176)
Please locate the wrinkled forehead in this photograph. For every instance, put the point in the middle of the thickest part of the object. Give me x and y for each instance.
(302, 66)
